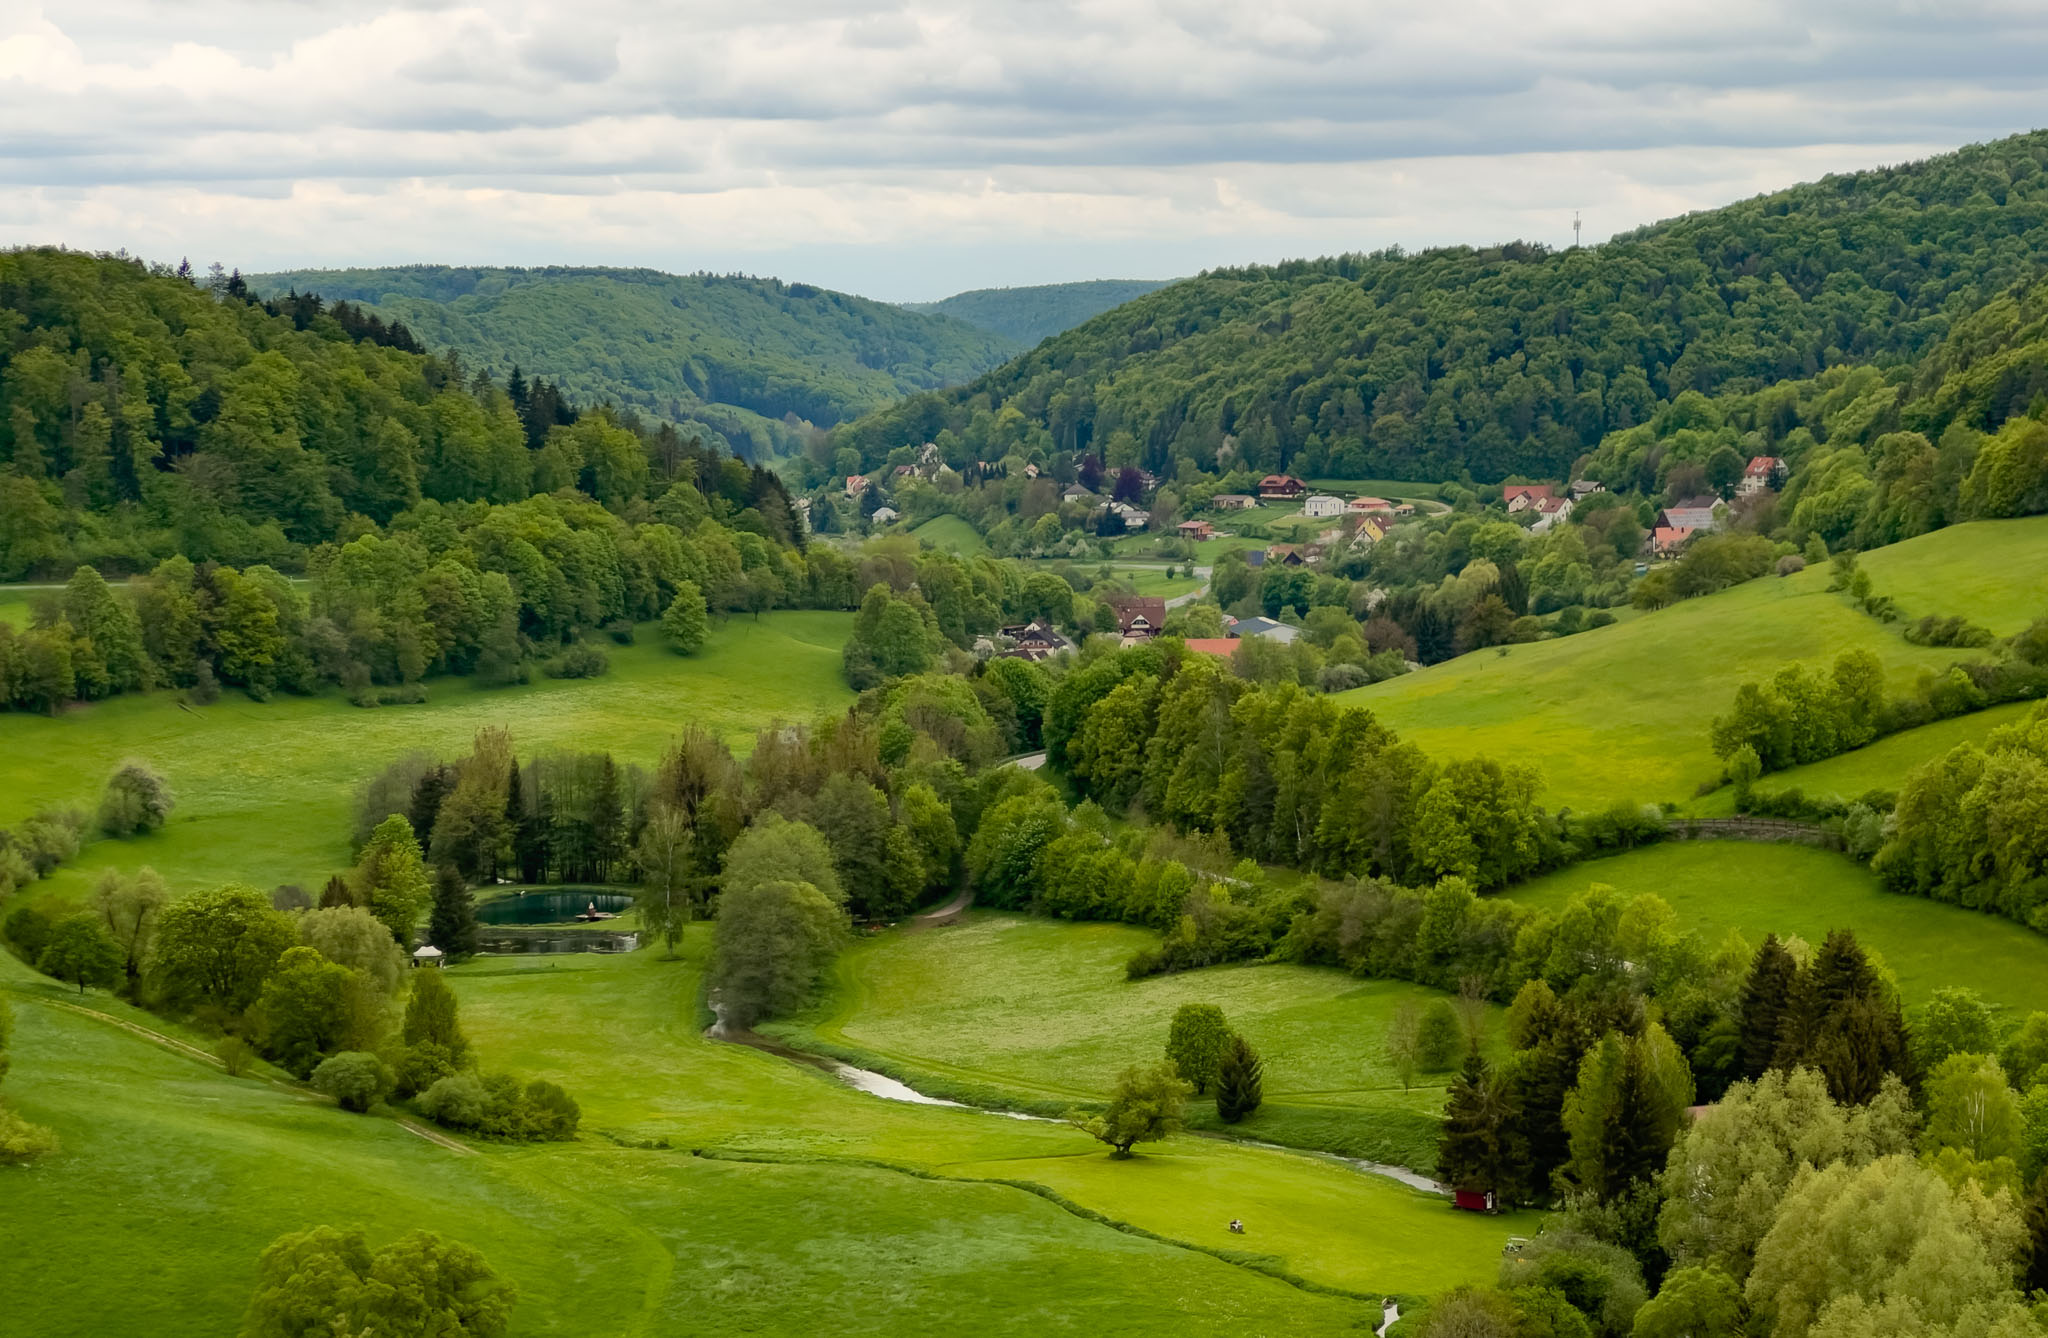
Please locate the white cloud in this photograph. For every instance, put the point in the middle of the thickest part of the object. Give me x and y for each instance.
(907, 149)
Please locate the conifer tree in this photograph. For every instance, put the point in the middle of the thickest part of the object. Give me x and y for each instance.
(451, 923)
(1240, 1081)
(427, 796)
(1481, 1148)
(1765, 996)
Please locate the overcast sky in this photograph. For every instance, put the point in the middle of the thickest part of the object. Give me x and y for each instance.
(910, 152)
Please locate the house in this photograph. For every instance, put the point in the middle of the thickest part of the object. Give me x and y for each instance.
(1584, 488)
(1222, 647)
(1075, 492)
(1405, 509)
(1371, 530)
(1367, 506)
(1522, 496)
(1233, 501)
(856, 484)
(1134, 519)
(1031, 471)
(1550, 511)
(1284, 486)
(1669, 538)
(1322, 505)
(1034, 641)
(1264, 627)
(887, 515)
(1286, 555)
(1255, 558)
(1197, 530)
(1688, 517)
(1139, 616)
(1762, 472)
(904, 471)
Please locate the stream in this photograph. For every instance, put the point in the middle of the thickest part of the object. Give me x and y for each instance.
(892, 1089)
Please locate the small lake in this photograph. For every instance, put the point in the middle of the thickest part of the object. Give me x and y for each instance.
(560, 906)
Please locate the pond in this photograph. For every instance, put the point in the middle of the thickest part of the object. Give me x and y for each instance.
(560, 906)
(551, 938)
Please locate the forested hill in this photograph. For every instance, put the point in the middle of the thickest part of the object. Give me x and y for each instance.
(1512, 359)
(724, 356)
(1027, 315)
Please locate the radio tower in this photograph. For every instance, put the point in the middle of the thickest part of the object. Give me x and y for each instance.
(1575, 229)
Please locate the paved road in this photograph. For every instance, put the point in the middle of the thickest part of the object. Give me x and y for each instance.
(1202, 573)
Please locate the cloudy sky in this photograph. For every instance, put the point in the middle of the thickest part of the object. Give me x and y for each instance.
(907, 152)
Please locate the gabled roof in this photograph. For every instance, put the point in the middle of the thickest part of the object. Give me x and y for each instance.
(1762, 466)
(1221, 646)
(1535, 492)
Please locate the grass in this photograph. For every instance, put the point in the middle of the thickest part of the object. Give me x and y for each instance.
(950, 531)
(1993, 572)
(265, 789)
(1622, 712)
(601, 1240)
(1883, 765)
(623, 1033)
(1716, 886)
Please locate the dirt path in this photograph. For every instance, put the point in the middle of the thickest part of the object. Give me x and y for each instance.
(945, 914)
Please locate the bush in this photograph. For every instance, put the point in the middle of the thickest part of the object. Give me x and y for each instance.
(136, 801)
(418, 1068)
(620, 630)
(458, 1101)
(578, 661)
(235, 1055)
(551, 1113)
(1790, 563)
(28, 929)
(356, 1080)
(1959, 632)
(21, 1141)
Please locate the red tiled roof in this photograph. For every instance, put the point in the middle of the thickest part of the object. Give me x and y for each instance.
(1222, 647)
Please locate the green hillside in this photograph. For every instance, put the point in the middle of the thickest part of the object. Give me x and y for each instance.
(731, 353)
(1511, 358)
(1622, 712)
(1027, 315)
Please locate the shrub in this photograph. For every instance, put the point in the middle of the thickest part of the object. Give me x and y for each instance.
(551, 1113)
(136, 801)
(21, 1141)
(1790, 563)
(28, 929)
(1957, 631)
(620, 630)
(1342, 677)
(235, 1055)
(356, 1080)
(578, 661)
(458, 1101)
(418, 1068)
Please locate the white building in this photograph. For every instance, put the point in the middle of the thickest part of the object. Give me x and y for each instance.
(1321, 506)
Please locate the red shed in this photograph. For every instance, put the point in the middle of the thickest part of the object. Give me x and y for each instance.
(1472, 1201)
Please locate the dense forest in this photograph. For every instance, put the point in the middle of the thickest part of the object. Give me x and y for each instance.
(1511, 359)
(737, 360)
(1027, 315)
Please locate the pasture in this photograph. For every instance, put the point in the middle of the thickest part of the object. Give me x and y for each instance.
(1715, 886)
(264, 788)
(600, 1239)
(1993, 572)
(950, 531)
(1622, 712)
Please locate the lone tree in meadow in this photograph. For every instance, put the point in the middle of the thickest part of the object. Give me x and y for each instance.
(1196, 1042)
(1240, 1081)
(1144, 1108)
(323, 1281)
(136, 801)
(687, 623)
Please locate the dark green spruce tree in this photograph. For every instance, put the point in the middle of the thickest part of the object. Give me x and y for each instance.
(451, 923)
(1240, 1081)
(1481, 1149)
(1766, 995)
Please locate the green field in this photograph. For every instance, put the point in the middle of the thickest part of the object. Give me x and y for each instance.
(1039, 1012)
(1622, 712)
(1883, 765)
(600, 1239)
(953, 533)
(1788, 889)
(1993, 572)
(264, 789)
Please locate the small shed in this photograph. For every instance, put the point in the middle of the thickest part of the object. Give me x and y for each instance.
(426, 955)
(1474, 1201)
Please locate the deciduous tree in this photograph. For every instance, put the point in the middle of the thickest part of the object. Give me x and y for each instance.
(1145, 1106)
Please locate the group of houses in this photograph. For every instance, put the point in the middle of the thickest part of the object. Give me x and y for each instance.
(1548, 507)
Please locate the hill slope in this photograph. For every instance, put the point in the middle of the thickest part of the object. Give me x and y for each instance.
(1514, 358)
(732, 353)
(1027, 315)
(1623, 712)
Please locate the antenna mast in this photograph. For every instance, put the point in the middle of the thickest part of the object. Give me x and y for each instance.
(1575, 229)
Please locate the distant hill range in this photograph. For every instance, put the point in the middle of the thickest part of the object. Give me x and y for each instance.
(1513, 359)
(740, 359)
(1028, 315)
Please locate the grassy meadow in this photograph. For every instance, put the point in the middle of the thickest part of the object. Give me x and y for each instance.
(265, 789)
(1622, 712)
(1716, 886)
(952, 532)
(600, 1239)
(1994, 572)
